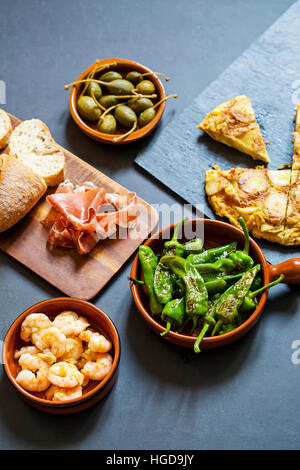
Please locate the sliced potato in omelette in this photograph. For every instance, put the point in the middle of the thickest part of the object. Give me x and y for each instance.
(296, 154)
(259, 195)
(292, 225)
(233, 123)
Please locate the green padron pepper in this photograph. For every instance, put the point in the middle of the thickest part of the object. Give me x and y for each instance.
(164, 278)
(173, 314)
(232, 299)
(196, 297)
(212, 254)
(148, 262)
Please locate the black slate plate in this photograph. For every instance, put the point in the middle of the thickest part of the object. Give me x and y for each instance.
(268, 72)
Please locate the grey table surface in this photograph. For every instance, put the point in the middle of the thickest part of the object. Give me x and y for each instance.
(243, 396)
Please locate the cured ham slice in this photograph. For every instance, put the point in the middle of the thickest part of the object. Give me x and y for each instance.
(82, 215)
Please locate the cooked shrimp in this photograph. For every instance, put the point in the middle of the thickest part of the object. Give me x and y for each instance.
(98, 369)
(70, 323)
(33, 382)
(32, 324)
(55, 393)
(26, 349)
(47, 357)
(51, 340)
(73, 350)
(33, 376)
(96, 341)
(65, 375)
(32, 362)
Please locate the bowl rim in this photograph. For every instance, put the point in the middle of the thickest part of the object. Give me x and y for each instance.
(91, 393)
(210, 341)
(108, 138)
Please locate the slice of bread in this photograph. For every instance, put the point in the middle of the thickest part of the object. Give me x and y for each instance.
(20, 189)
(32, 143)
(5, 128)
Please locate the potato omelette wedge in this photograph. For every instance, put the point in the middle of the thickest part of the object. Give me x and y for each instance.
(296, 154)
(292, 225)
(268, 200)
(234, 123)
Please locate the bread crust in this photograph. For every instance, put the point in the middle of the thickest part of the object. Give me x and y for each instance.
(5, 128)
(20, 189)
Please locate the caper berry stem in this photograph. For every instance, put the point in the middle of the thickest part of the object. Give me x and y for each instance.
(95, 70)
(155, 73)
(164, 99)
(85, 80)
(140, 95)
(123, 136)
(96, 101)
(90, 75)
(108, 110)
(105, 66)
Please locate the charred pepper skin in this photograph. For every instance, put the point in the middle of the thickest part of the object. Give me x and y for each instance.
(196, 297)
(148, 262)
(163, 284)
(173, 314)
(232, 299)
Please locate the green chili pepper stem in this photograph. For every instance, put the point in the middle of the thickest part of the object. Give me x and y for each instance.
(199, 339)
(217, 326)
(262, 289)
(246, 234)
(177, 228)
(167, 329)
(136, 281)
(195, 321)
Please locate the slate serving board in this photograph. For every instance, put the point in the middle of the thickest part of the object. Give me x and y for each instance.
(268, 72)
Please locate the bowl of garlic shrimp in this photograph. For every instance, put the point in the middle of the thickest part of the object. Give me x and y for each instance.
(62, 355)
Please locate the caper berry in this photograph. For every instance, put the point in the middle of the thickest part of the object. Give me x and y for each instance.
(97, 90)
(145, 87)
(139, 105)
(88, 109)
(120, 87)
(125, 115)
(107, 125)
(109, 100)
(146, 116)
(110, 76)
(134, 77)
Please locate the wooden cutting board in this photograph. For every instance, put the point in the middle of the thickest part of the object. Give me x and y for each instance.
(81, 276)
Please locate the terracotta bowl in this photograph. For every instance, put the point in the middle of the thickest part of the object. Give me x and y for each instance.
(90, 128)
(94, 391)
(215, 233)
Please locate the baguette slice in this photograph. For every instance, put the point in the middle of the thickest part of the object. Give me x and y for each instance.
(5, 128)
(32, 143)
(20, 189)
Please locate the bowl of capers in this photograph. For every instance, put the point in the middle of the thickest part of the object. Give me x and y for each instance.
(117, 101)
